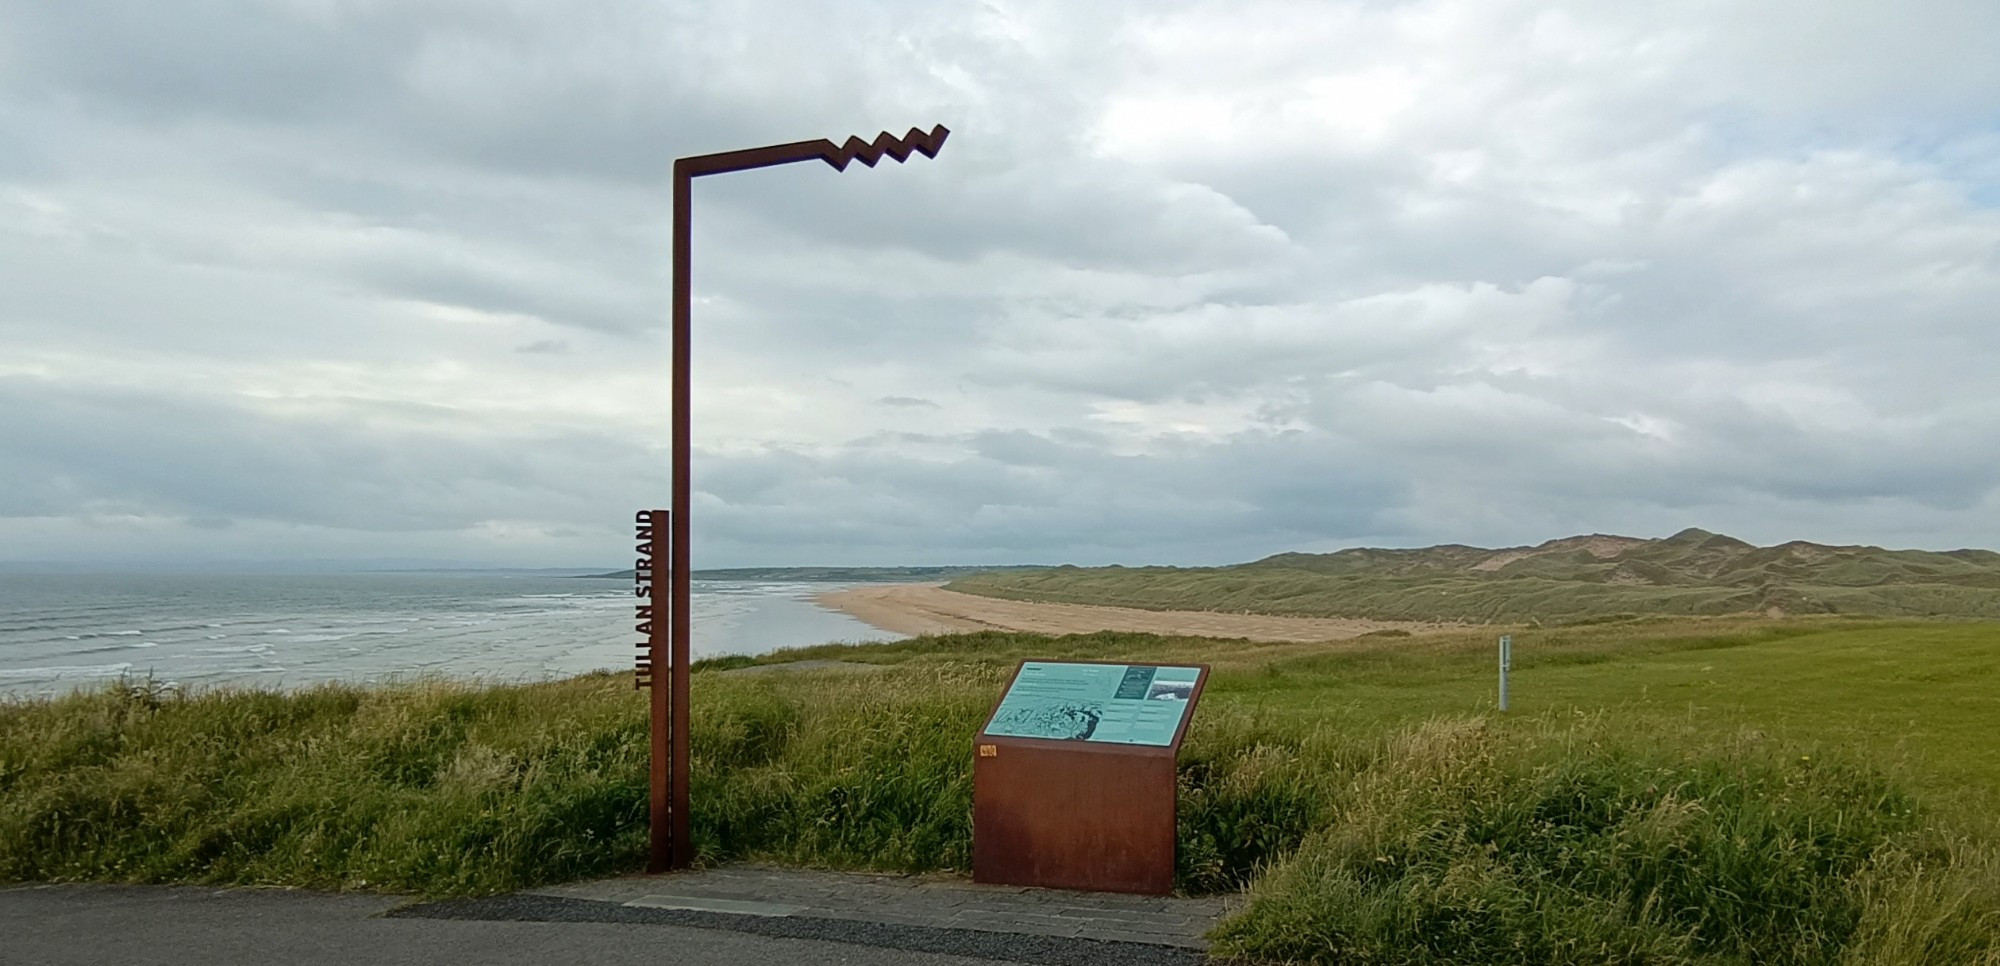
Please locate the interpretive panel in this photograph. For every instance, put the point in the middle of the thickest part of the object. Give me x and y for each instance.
(1123, 704)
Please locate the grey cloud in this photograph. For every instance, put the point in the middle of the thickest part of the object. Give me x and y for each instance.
(572, 302)
(359, 467)
(1246, 496)
(538, 91)
(204, 58)
(384, 277)
(1548, 443)
(22, 160)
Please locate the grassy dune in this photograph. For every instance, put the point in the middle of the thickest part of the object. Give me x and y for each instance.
(1686, 791)
(1576, 578)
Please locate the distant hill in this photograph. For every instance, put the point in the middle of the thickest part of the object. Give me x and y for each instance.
(852, 575)
(1574, 578)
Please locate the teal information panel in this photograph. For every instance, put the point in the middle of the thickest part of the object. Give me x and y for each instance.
(1126, 704)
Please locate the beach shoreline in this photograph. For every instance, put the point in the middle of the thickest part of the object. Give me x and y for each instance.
(918, 609)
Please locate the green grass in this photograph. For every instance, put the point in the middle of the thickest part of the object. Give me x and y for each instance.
(1920, 695)
(1665, 791)
(434, 788)
(1583, 842)
(1461, 597)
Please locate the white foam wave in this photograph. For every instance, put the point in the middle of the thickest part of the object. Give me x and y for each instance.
(67, 670)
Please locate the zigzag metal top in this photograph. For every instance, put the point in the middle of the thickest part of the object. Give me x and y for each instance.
(885, 143)
(838, 155)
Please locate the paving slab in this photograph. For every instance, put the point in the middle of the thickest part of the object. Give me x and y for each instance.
(933, 901)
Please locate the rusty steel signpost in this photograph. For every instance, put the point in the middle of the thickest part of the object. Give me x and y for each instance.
(667, 629)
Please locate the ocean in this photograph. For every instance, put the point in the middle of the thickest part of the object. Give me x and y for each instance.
(61, 631)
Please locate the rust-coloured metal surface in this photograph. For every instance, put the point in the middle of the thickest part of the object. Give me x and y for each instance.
(1076, 814)
(1083, 817)
(670, 846)
(651, 530)
(649, 533)
(839, 156)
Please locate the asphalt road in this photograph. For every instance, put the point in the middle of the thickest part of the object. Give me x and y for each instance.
(144, 925)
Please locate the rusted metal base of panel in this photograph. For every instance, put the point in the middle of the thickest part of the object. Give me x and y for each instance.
(1073, 815)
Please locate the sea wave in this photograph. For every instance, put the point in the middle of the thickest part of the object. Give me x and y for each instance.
(65, 671)
(114, 648)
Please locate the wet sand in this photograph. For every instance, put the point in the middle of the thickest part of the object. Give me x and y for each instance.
(930, 609)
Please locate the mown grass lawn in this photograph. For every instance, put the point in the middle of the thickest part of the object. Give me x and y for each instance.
(1923, 698)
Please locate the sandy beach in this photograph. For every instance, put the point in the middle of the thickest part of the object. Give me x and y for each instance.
(930, 609)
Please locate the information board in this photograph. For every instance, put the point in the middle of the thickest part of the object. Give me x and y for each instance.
(1126, 704)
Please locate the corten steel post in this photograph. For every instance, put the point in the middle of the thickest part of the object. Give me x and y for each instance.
(669, 814)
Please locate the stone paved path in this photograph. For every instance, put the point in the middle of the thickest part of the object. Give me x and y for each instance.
(931, 901)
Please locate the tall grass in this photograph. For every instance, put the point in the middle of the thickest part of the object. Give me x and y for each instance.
(434, 787)
(854, 771)
(1572, 843)
(1362, 838)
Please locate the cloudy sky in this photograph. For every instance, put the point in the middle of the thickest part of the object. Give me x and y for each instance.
(1189, 283)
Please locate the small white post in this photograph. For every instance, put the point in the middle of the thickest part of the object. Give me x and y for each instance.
(1506, 662)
